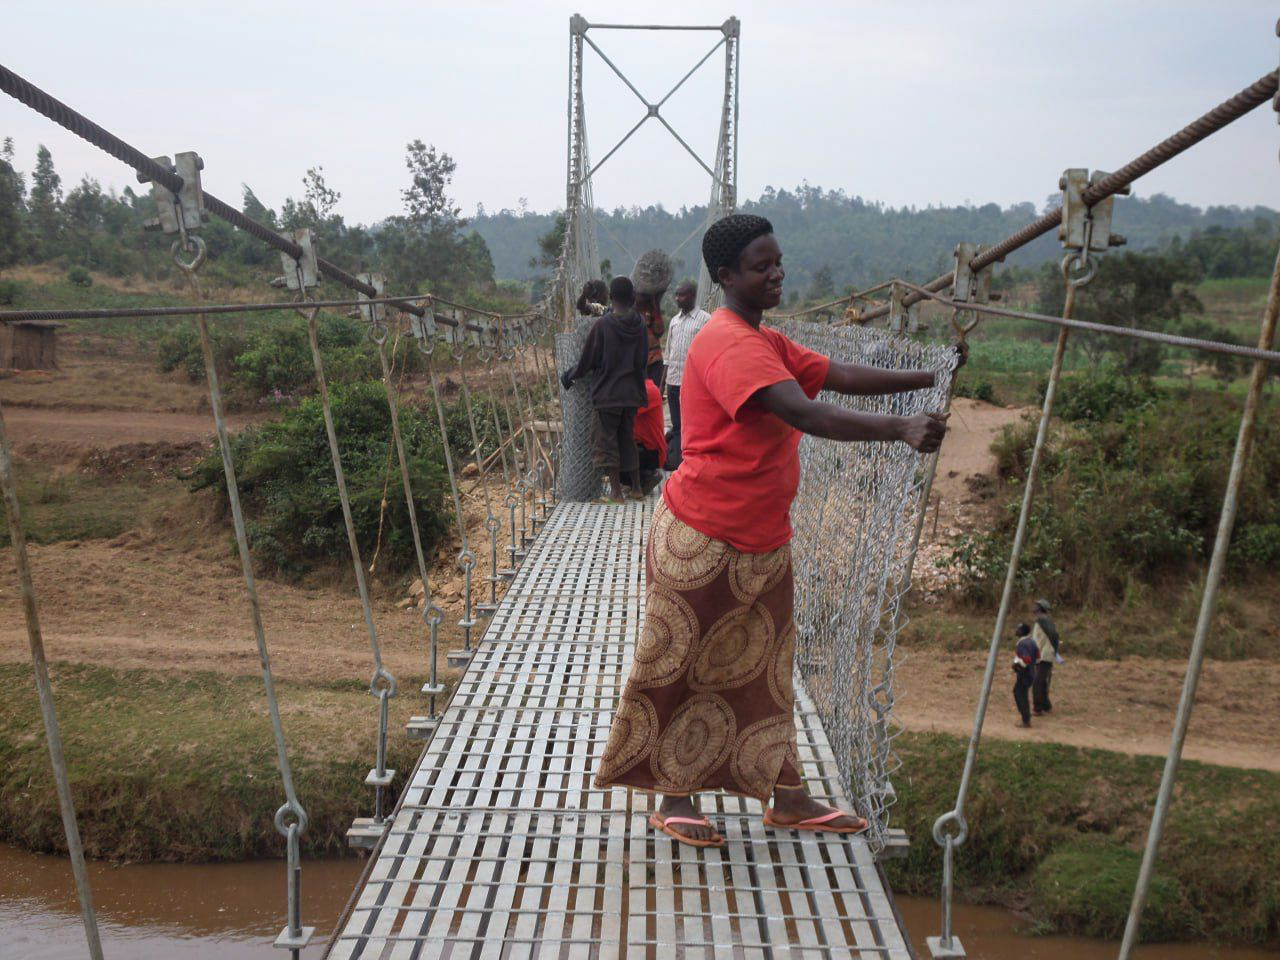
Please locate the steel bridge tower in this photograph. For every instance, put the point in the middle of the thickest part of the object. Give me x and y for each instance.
(580, 258)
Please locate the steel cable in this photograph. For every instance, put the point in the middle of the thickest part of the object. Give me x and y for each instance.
(44, 689)
(431, 612)
(1230, 110)
(291, 830)
(383, 683)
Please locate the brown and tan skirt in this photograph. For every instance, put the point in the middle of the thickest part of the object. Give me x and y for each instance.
(709, 703)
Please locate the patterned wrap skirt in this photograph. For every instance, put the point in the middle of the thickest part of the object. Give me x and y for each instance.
(709, 702)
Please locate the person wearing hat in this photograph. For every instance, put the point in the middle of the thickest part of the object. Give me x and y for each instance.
(1046, 636)
(709, 702)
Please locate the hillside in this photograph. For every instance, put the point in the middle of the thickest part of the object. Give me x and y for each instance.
(861, 241)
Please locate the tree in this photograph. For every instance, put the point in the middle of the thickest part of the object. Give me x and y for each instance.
(425, 247)
(550, 244)
(13, 209)
(83, 213)
(822, 286)
(428, 205)
(1147, 291)
(46, 204)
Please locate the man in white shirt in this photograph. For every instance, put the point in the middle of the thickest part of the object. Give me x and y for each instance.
(680, 333)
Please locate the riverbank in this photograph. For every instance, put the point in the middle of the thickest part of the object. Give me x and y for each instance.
(180, 768)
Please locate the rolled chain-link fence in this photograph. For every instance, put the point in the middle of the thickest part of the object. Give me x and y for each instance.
(578, 479)
(854, 518)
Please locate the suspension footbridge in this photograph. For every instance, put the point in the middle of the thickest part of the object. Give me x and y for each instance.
(498, 844)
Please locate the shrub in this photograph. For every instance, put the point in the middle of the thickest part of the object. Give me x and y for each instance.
(291, 498)
(1134, 492)
(1103, 396)
(179, 349)
(79, 277)
(275, 359)
(980, 389)
(9, 292)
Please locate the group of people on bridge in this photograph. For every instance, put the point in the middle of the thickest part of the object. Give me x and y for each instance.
(709, 703)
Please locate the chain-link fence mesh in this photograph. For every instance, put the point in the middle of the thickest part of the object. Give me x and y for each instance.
(578, 479)
(854, 518)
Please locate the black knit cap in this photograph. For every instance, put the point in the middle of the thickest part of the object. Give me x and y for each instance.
(725, 240)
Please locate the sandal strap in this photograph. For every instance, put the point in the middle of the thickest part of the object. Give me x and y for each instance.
(827, 818)
(692, 821)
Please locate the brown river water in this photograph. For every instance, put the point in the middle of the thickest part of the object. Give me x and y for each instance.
(233, 911)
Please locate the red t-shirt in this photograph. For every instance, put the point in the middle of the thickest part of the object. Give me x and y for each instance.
(740, 469)
(651, 429)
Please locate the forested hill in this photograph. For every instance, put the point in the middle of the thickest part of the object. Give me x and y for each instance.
(860, 241)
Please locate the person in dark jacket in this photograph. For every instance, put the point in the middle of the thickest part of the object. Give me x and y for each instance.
(616, 350)
(1025, 656)
(1046, 636)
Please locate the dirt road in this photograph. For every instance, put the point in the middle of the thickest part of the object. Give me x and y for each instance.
(32, 426)
(1124, 705)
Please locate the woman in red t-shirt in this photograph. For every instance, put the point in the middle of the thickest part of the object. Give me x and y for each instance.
(709, 703)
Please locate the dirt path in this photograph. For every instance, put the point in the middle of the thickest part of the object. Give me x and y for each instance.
(29, 426)
(967, 450)
(131, 603)
(1125, 705)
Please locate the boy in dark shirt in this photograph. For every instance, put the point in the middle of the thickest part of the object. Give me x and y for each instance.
(1024, 668)
(616, 350)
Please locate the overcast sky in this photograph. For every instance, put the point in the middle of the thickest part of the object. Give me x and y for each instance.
(905, 102)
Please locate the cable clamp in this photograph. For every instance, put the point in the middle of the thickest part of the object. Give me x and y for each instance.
(303, 273)
(184, 210)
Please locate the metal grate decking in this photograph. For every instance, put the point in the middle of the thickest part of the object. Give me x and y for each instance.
(503, 848)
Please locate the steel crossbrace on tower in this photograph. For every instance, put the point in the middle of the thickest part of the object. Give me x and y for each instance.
(580, 260)
(503, 846)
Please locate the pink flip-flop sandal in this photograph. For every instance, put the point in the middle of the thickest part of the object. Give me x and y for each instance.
(818, 824)
(660, 823)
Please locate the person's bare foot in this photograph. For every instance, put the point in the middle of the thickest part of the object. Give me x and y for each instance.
(685, 807)
(792, 805)
(615, 491)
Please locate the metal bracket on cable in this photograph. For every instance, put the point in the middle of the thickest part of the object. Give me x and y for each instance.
(902, 319)
(1084, 226)
(184, 210)
(374, 314)
(970, 286)
(303, 273)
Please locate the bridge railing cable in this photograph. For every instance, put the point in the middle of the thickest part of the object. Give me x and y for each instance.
(44, 689)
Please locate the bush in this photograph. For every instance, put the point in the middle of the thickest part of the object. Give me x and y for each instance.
(179, 349)
(79, 277)
(10, 290)
(275, 360)
(1105, 396)
(1134, 490)
(980, 389)
(290, 495)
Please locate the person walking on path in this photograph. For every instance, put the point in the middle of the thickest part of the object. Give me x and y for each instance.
(1046, 637)
(684, 327)
(709, 703)
(615, 350)
(1025, 656)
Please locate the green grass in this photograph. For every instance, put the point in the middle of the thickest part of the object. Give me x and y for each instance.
(181, 767)
(1057, 830)
(1149, 621)
(59, 506)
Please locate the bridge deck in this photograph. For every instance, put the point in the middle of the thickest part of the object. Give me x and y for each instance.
(503, 848)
